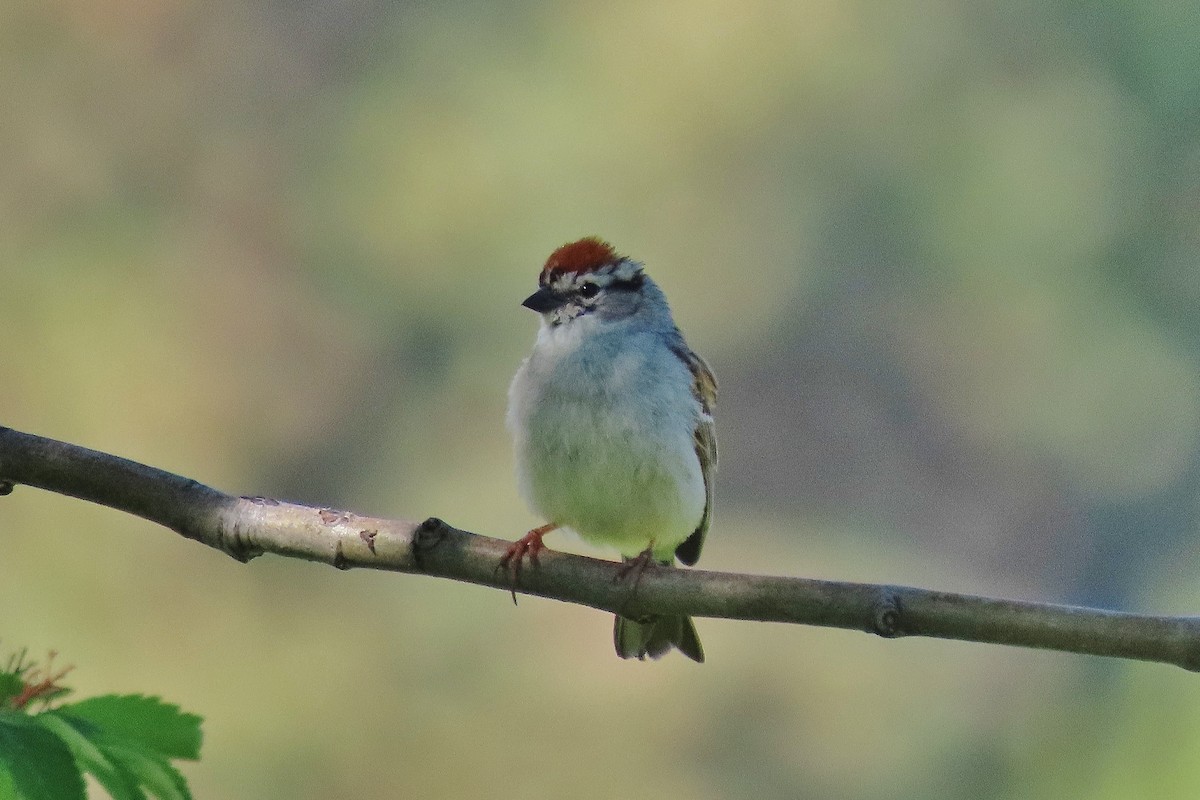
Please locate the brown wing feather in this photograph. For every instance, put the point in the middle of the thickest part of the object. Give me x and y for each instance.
(704, 387)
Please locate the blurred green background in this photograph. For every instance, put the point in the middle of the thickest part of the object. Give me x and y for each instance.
(943, 257)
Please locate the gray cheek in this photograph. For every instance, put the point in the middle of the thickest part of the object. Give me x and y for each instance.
(619, 304)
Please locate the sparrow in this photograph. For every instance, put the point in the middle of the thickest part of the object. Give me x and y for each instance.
(612, 421)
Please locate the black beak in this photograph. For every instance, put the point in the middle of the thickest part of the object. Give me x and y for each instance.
(543, 300)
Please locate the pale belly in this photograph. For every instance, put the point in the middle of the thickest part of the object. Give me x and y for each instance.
(617, 489)
(605, 443)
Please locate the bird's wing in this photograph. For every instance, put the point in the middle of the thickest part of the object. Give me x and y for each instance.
(704, 388)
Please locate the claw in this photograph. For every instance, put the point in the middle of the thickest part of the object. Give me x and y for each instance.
(528, 545)
(636, 564)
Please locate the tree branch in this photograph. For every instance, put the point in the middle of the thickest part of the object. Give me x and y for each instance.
(245, 527)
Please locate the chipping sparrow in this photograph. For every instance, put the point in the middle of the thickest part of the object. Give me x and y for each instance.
(612, 418)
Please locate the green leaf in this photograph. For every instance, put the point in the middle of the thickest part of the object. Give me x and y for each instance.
(155, 727)
(152, 771)
(35, 764)
(91, 758)
(10, 686)
(126, 741)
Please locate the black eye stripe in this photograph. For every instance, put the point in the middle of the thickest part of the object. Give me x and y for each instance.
(628, 285)
(587, 289)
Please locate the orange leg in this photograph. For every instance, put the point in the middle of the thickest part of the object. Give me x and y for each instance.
(528, 545)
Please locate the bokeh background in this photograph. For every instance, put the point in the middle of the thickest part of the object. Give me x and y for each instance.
(943, 257)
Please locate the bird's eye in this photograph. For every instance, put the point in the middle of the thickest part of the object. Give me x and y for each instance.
(588, 290)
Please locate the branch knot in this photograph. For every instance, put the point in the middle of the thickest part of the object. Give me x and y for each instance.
(887, 616)
(428, 535)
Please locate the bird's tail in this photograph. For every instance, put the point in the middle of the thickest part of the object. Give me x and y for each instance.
(654, 636)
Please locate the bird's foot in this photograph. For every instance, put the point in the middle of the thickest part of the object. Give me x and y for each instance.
(528, 545)
(636, 566)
